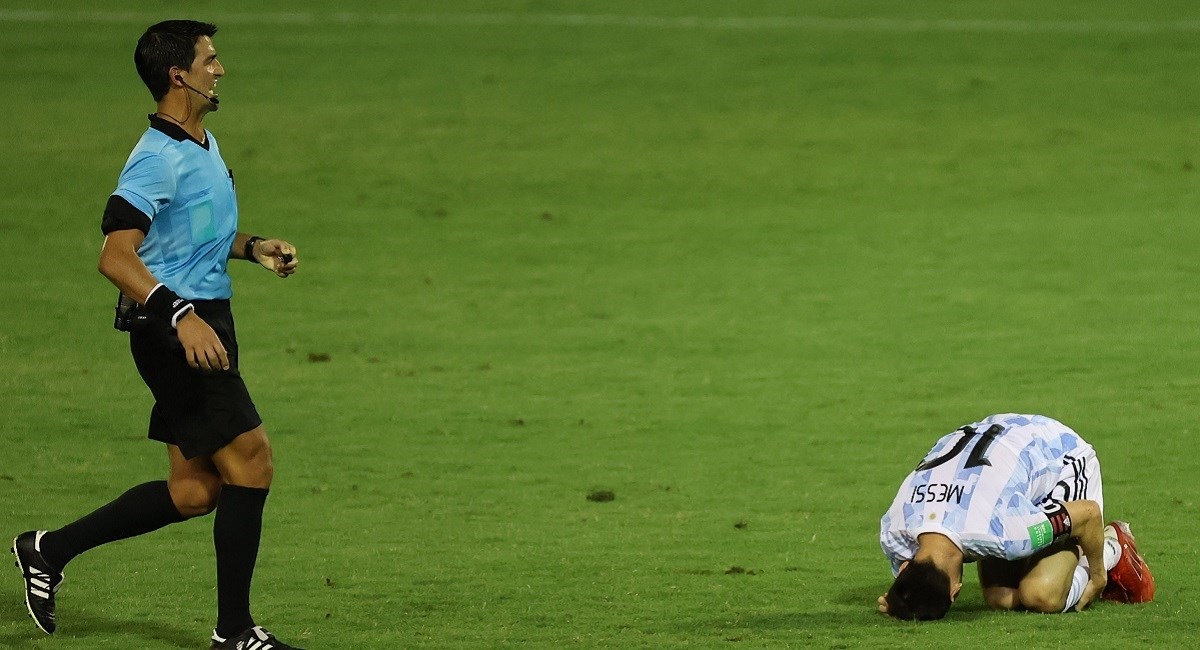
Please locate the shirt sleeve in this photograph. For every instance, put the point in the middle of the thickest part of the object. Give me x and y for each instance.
(896, 546)
(1026, 533)
(119, 214)
(147, 184)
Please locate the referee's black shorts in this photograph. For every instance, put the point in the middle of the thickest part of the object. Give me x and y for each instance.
(199, 412)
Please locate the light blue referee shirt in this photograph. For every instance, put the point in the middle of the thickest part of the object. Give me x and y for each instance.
(187, 192)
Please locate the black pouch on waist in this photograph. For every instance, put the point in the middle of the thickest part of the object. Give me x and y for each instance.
(130, 315)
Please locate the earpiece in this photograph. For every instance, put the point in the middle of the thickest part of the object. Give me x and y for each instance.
(210, 98)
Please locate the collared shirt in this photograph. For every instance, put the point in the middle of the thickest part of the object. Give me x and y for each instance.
(179, 192)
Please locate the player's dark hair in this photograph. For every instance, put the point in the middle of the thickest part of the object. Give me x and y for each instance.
(171, 43)
(920, 593)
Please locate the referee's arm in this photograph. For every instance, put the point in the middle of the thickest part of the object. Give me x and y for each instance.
(119, 262)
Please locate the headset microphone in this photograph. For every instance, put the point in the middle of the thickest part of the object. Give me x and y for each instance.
(210, 98)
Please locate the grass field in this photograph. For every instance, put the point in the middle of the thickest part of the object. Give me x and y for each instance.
(738, 263)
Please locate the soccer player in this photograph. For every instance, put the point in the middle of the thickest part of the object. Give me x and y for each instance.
(171, 228)
(1021, 495)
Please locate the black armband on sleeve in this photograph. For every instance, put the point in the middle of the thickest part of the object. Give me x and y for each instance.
(120, 214)
(167, 304)
(1060, 519)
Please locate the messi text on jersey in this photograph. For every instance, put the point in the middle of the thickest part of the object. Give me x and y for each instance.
(936, 493)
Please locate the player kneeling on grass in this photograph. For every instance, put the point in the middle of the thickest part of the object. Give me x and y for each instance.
(1022, 496)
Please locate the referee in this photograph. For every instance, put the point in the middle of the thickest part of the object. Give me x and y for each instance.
(170, 229)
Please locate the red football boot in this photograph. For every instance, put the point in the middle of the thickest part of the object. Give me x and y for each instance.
(1130, 581)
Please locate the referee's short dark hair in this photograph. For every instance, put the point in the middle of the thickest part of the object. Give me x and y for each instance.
(920, 593)
(171, 43)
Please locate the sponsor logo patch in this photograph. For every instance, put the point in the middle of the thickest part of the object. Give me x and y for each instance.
(1041, 534)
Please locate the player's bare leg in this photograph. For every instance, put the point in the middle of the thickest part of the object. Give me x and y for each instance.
(999, 581)
(1040, 583)
(1048, 582)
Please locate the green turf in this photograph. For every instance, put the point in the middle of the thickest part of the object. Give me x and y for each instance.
(740, 270)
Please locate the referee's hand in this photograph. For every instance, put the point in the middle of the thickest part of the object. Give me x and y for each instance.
(277, 256)
(203, 348)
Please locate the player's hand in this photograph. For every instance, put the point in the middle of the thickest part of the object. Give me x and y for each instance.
(883, 604)
(1094, 587)
(277, 256)
(203, 348)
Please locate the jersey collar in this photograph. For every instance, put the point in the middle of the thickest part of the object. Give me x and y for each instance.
(933, 527)
(174, 131)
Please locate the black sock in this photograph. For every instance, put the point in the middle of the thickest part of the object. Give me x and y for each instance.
(236, 533)
(143, 508)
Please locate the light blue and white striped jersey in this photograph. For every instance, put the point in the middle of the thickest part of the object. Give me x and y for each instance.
(983, 486)
(187, 192)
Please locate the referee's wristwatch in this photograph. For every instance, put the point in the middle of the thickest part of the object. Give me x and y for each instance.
(248, 251)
